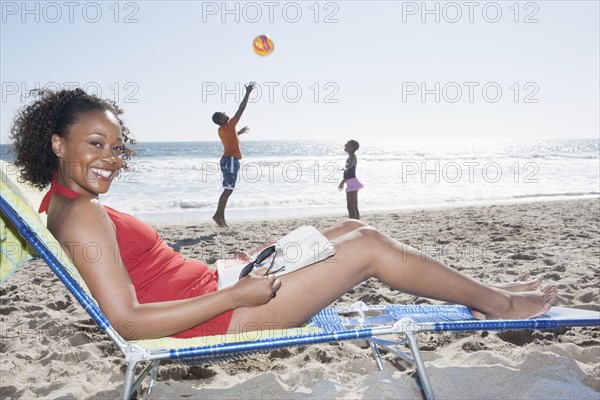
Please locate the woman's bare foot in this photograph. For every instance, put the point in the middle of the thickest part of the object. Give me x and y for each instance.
(523, 284)
(524, 305)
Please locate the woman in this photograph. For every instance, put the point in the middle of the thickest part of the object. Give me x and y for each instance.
(77, 143)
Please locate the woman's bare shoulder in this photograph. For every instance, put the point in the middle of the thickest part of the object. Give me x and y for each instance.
(83, 216)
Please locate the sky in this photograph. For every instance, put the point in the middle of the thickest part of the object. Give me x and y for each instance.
(368, 70)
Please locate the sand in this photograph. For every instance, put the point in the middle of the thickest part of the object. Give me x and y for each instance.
(50, 348)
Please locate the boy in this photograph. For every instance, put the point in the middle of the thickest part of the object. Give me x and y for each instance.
(230, 161)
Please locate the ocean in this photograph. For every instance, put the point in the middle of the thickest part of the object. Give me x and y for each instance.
(180, 182)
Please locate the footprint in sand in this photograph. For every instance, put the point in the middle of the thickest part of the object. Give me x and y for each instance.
(58, 305)
(520, 256)
(588, 297)
(7, 310)
(554, 277)
(279, 354)
(472, 346)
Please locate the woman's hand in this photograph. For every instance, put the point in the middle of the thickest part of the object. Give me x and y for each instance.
(256, 289)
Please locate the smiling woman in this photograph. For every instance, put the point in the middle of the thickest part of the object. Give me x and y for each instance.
(95, 147)
(76, 142)
(50, 118)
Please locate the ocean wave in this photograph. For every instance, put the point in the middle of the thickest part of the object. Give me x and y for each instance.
(558, 194)
(289, 175)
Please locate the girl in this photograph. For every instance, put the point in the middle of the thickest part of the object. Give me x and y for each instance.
(352, 184)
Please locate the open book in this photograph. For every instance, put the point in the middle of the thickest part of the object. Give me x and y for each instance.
(299, 248)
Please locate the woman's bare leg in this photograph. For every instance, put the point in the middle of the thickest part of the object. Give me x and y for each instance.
(341, 228)
(522, 284)
(363, 253)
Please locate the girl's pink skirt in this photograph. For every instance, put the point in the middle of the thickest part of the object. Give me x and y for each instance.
(352, 185)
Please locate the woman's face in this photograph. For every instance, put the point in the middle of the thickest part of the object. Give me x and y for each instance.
(91, 155)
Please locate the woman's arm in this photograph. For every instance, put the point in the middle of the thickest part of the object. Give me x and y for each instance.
(88, 235)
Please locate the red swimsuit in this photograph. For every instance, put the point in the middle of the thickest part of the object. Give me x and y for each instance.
(157, 272)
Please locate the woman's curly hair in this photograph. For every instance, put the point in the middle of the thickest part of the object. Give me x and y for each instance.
(54, 113)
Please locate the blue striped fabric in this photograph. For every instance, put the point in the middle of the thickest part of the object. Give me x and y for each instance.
(498, 325)
(87, 303)
(438, 318)
(215, 352)
(329, 320)
(429, 313)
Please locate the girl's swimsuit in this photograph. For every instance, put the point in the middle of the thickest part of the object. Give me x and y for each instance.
(352, 184)
(157, 272)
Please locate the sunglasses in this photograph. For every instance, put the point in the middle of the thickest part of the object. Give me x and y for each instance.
(267, 252)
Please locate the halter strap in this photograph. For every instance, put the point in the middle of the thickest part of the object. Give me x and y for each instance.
(56, 187)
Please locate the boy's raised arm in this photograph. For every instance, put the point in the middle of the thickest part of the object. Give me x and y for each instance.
(242, 107)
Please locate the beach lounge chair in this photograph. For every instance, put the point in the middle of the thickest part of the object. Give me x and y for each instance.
(357, 322)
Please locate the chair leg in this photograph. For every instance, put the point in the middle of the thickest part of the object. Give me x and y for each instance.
(416, 353)
(377, 356)
(128, 384)
(152, 377)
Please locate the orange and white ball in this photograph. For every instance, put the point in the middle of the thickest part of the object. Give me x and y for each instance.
(263, 45)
